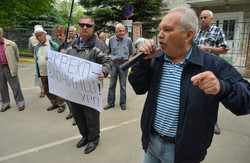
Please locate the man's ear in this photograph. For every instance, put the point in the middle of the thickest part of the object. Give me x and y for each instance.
(189, 35)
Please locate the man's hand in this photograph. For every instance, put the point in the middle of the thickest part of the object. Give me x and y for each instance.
(147, 49)
(101, 77)
(207, 81)
(63, 51)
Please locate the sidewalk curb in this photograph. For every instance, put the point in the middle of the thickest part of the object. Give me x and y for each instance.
(26, 60)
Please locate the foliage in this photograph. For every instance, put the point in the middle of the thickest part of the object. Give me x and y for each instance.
(64, 8)
(108, 12)
(47, 20)
(12, 11)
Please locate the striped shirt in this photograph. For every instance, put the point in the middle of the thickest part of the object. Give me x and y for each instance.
(168, 100)
(213, 37)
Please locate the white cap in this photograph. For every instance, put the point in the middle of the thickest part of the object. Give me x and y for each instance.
(39, 28)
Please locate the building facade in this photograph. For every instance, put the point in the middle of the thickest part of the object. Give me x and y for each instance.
(233, 16)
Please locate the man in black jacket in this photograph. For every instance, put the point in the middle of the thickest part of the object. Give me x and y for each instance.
(91, 48)
(185, 85)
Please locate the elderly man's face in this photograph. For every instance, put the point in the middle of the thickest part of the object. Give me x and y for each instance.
(120, 32)
(41, 37)
(205, 20)
(86, 28)
(171, 38)
(72, 32)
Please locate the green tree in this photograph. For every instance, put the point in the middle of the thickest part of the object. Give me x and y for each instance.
(47, 20)
(64, 8)
(12, 11)
(107, 12)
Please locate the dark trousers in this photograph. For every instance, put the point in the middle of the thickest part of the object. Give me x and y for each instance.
(87, 120)
(69, 105)
(5, 77)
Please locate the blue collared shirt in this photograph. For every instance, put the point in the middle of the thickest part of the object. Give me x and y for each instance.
(120, 48)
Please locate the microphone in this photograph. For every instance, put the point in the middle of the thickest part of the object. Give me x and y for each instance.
(138, 57)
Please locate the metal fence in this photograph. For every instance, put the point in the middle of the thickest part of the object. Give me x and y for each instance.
(21, 38)
(238, 35)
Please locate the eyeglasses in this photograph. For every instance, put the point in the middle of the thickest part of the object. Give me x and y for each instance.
(87, 25)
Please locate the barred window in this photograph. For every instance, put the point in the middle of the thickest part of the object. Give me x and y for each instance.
(228, 28)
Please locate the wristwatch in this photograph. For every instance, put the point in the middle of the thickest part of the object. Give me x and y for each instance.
(209, 50)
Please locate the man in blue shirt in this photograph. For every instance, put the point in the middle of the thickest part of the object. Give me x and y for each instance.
(122, 50)
(184, 86)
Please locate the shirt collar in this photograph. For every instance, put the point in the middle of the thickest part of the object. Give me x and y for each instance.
(120, 38)
(2, 41)
(81, 43)
(46, 43)
(166, 58)
(208, 29)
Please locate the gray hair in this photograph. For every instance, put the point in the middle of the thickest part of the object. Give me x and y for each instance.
(189, 19)
(73, 28)
(87, 17)
(210, 13)
(119, 25)
(1, 29)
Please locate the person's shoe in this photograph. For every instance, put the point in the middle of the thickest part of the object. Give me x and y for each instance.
(21, 108)
(82, 142)
(74, 123)
(52, 107)
(42, 94)
(108, 107)
(123, 106)
(91, 146)
(61, 109)
(69, 116)
(216, 129)
(4, 109)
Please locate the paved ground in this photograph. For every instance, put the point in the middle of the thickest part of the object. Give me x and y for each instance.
(38, 136)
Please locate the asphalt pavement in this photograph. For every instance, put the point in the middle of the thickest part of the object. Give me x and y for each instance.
(36, 135)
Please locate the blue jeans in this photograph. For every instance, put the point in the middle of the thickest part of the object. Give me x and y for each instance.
(158, 151)
(115, 72)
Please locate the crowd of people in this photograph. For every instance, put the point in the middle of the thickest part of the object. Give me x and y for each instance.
(185, 79)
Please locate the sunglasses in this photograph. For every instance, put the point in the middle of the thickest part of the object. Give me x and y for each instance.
(87, 25)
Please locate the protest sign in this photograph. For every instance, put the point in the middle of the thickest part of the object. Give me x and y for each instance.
(75, 79)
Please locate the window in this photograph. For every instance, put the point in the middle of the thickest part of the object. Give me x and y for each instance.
(228, 28)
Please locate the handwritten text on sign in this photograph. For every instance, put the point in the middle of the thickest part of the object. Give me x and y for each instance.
(75, 79)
